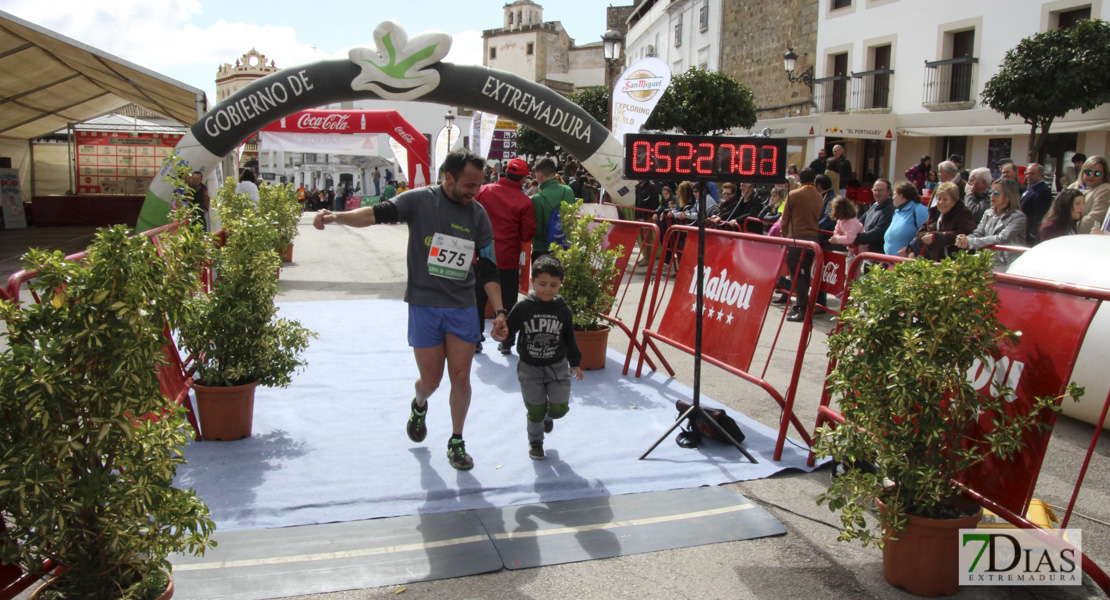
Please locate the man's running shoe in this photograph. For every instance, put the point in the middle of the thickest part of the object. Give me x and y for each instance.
(416, 428)
(456, 452)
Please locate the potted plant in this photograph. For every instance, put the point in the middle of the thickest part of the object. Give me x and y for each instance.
(588, 280)
(88, 444)
(233, 333)
(280, 204)
(903, 348)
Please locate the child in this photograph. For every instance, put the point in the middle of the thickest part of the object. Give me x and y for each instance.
(548, 352)
(847, 226)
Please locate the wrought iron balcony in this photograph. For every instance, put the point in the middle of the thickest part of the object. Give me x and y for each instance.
(831, 93)
(871, 90)
(950, 84)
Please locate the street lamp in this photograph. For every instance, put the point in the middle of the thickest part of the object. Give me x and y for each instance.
(612, 40)
(450, 121)
(789, 60)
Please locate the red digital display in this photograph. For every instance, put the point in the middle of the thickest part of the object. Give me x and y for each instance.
(664, 157)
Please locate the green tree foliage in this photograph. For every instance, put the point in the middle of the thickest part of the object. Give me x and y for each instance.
(594, 100)
(700, 102)
(1050, 73)
(530, 141)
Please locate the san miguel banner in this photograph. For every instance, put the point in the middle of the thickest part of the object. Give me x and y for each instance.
(399, 68)
(739, 280)
(636, 93)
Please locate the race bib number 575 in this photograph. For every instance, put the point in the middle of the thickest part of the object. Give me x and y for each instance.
(450, 257)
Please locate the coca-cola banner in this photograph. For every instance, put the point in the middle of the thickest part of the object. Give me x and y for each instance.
(396, 68)
(832, 275)
(1052, 327)
(740, 278)
(325, 143)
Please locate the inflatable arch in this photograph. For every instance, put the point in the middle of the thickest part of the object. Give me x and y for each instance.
(399, 69)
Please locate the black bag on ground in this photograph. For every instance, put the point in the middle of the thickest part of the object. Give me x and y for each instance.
(690, 436)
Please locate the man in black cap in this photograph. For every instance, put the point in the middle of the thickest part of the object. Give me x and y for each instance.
(1071, 174)
(959, 160)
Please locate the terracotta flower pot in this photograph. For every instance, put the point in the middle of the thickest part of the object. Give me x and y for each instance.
(925, 559)
(166, 595)
(225, 413)
(287, 253)
(593, 345)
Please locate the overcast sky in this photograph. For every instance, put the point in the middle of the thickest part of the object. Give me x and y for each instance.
(188, 40)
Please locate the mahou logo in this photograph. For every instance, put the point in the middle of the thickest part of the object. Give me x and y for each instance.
(323, 123)
(720, 289)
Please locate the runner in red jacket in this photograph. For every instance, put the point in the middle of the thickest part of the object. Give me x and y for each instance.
(514, 223)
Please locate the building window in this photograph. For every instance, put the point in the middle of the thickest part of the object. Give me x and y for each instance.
(950, 83)
(703, 16)
(678, 33)
(1066, 19)
(531, 48)
(841, 4)
(492, 52)
(510, 19)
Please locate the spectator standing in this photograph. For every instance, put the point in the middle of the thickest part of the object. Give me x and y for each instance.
(820, 163)
(948, 172)
(958, 160)
(1093, 183)
(248, 185)
(978, 198)
(1063, 218)
(1036, 200)
(800, 220)
(514, 223)
(390, 190)
(198, 199)
(842, 167)
(1002, 224)
(1071, 174)
(919, 173)
(947, 220)
(909, 215)
(377, 177)
(550, 197)
(647, 198)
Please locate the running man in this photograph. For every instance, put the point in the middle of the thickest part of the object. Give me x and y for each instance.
(450, 247)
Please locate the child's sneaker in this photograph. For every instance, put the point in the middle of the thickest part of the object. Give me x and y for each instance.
(456, 451)
(416, 428)
(548, 425)
(535, 450)
(505, 347)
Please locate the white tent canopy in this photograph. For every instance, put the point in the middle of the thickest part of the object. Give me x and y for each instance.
(48, 81)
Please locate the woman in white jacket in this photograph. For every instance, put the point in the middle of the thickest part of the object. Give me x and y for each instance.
(1002, 225)
(248, 185)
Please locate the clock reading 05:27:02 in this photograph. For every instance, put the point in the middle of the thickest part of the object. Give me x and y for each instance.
(663, 157)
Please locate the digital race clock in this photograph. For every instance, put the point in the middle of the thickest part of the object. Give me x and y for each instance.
(665, 157)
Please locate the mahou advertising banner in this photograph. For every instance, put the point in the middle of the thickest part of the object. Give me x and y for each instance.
(636, 94)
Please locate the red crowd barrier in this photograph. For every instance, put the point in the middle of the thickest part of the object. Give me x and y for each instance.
(1040, 365)
(623, 235)
(741, 271)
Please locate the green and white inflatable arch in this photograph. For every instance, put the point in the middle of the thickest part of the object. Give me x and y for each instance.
(399, 69)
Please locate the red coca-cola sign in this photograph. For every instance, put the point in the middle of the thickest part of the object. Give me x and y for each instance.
(323, 122)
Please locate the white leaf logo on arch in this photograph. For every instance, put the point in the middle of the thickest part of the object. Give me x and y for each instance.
(396, 71)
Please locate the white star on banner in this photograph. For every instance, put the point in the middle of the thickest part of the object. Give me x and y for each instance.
(729, 319)
(694, 307)
(711, 313)
(720, 315)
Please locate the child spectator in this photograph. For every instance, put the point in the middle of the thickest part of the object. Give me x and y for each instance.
(548, 352)
(847, 226)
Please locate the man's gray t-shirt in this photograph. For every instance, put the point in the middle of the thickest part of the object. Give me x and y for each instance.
(428, 212)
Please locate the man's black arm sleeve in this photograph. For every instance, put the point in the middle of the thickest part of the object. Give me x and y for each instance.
(385, 212)
(486, 270)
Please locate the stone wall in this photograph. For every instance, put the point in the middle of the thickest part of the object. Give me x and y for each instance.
(755, 35)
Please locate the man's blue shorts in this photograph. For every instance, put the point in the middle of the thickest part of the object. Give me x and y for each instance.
(429, 325)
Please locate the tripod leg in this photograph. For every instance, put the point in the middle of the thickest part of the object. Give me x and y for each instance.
(678, 422)
(716, 426)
